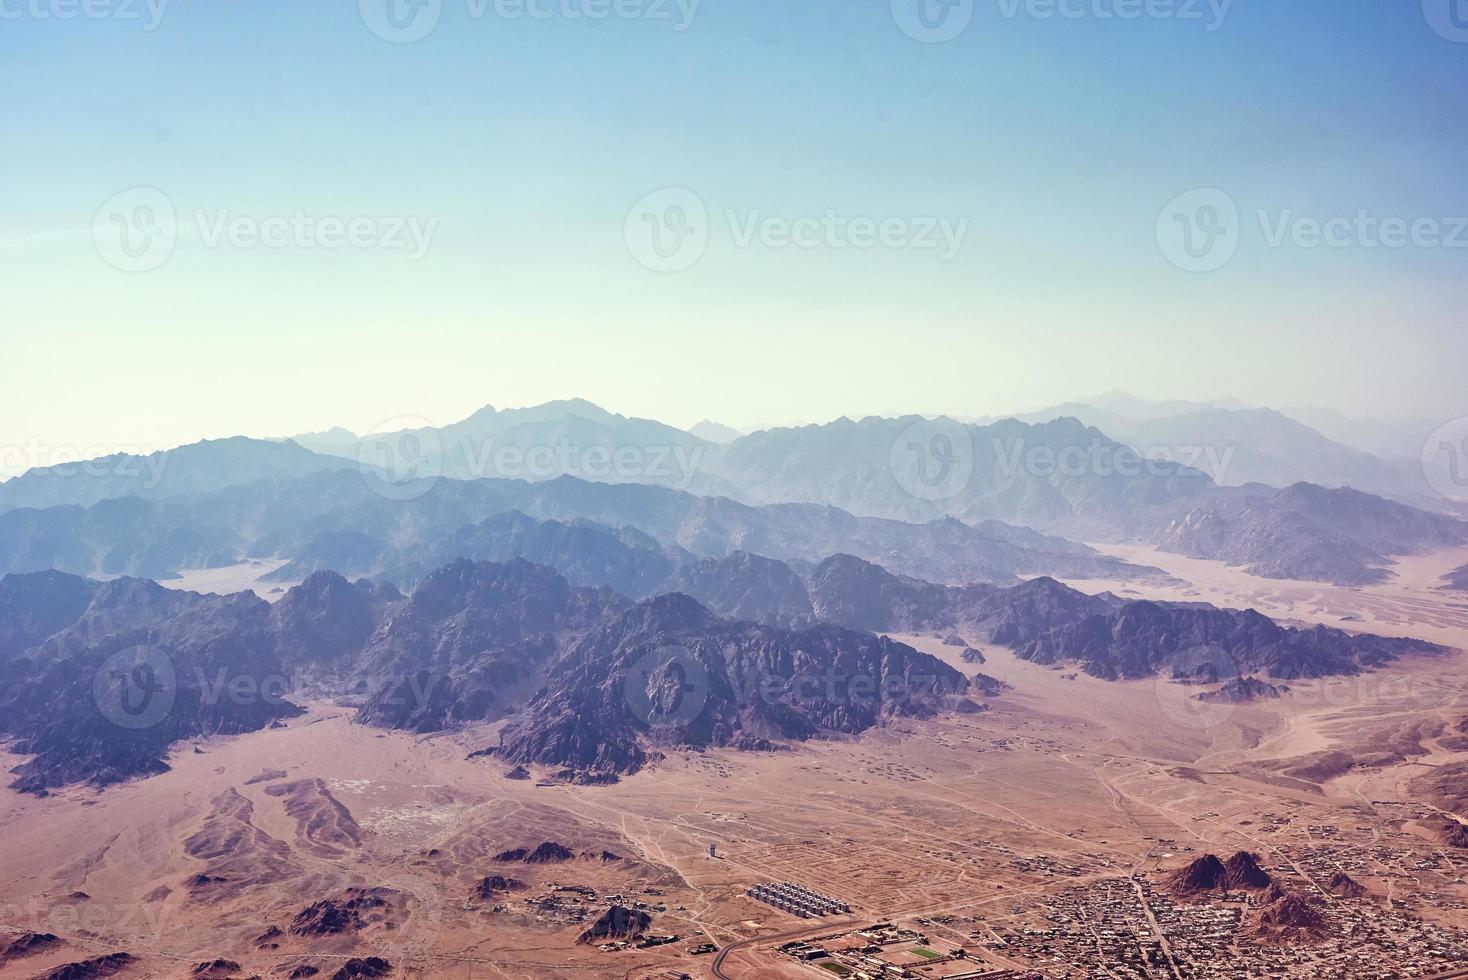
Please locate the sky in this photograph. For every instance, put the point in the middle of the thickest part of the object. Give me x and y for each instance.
(271, 216)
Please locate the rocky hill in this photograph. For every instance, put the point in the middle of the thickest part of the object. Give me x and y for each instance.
(104, 679)
(200, 468)
(1208, 874)
(470, 635)
(668, 671)
(1307, 532)
(1009, 470)
(1242, 690)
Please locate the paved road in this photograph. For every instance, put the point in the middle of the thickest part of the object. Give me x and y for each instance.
(826, 926)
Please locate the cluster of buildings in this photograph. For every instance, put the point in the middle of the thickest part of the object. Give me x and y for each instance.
(886, 951)
(797, 899)
(1131, 930)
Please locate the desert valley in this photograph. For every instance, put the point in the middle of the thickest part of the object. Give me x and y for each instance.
(575, 728)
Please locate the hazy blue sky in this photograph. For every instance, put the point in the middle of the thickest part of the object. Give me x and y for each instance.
(1058, 140)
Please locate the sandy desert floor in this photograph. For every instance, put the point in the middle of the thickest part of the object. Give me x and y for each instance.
(969, 823)
(246, 576)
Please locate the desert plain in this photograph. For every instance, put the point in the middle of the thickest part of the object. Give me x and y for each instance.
(1037, 831)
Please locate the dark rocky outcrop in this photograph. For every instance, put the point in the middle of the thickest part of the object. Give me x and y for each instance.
(1197, 643)
(1342, 885)
(35, 607)
(1293, 917)
(617, 923)
(670, 671)
(348, 913)
(1206, 874)
(469, 635)
(989, 687)
(98, 966)
(103, 699)
(1242, 690)
(494, 886)
(1050, 623)
(363, 968)
(1243, 873)
(27, 944)
(326, 618)
(593, 684)
(548, 852)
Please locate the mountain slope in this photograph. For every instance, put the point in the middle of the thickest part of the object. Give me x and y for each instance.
(1008, 470)
(670, 672)
(203, 467)
(1308, 532)
(336, 520)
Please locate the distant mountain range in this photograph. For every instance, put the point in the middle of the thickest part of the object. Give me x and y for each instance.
(200, 468)
(1308, 532)
(1238, 445)
(101, 680)
(337, 519)
(944, 500)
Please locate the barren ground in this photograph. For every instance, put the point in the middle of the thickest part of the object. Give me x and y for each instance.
(1064, 780)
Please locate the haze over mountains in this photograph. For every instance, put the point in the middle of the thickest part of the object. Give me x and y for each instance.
(1237, 444)
(949, 501)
